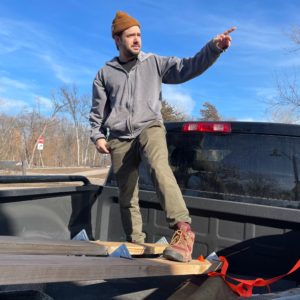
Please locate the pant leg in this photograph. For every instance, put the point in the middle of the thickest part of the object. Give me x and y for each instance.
(153, 148)
(125, 163)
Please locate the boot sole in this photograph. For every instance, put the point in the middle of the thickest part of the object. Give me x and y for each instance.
(172, 255)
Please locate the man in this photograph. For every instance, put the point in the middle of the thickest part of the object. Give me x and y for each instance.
(127, 102)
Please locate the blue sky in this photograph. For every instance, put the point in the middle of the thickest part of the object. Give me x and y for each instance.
(47, 44)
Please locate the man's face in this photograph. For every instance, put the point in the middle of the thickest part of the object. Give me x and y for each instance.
(130, 42)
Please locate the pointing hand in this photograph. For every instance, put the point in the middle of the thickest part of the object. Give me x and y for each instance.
(223, 40)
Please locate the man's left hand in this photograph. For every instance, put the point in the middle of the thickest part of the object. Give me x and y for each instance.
(223, 40)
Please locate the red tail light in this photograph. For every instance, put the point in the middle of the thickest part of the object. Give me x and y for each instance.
(207, 127)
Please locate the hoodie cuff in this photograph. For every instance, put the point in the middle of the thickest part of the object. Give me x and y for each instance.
(215, 48)
(97, 137)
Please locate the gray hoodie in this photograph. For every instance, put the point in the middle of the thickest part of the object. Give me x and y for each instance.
(126, 103)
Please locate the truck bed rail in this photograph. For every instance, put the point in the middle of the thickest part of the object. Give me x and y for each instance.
(43, 179)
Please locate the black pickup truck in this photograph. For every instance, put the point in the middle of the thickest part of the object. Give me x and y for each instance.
(240, 181)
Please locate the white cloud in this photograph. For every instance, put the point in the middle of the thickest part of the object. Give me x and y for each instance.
(13, 90)
(179, 98)
(44, 102)
(251, 34)
(260, 37)
(18, 35)
(12, 106)
(27, 39)
(59, 70)
(265, 94)
(23, 36)
(249, 120)
(6, 82)
(290, 61)
(152, 4)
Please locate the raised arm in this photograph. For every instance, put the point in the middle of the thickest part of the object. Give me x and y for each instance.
(176, 70)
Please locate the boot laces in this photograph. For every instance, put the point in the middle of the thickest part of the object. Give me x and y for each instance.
(178, 237)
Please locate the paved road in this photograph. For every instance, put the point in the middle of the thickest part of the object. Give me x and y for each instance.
(96, 171)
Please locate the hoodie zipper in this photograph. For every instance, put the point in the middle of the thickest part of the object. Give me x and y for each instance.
(130, 97)
(130, 104)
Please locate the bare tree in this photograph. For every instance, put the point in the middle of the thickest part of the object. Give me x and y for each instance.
(209, 112)
(295, 37)
(19, 134)
(78, 108)
(85, 106)
(56, 107)
(71, 101)
(281, 115)
(285, 106)
(9, 138)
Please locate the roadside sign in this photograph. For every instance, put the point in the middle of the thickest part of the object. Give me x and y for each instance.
(40, 144)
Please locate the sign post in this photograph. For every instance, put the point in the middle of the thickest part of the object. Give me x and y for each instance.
(40, 147)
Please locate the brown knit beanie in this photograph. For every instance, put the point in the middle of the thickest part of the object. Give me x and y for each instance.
(121, 22)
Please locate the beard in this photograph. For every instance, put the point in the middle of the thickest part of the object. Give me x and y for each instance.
(131, 53)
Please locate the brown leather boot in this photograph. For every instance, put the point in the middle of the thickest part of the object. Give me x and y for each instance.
(181, 246)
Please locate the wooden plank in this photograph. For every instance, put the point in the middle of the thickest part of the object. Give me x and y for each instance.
(18, 245)
(23, 269)
(134, 249)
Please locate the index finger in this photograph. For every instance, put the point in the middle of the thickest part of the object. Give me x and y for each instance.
(230, 30)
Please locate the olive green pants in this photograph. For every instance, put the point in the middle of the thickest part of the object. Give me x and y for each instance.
(126, 155)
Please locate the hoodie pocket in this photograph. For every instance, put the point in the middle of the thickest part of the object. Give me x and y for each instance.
(117, 120)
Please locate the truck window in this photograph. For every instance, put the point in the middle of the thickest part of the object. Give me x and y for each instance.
(242, 167)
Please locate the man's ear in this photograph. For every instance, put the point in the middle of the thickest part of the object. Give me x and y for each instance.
(117, 39)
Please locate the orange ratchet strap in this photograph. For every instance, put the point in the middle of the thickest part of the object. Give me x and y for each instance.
(244, 287)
